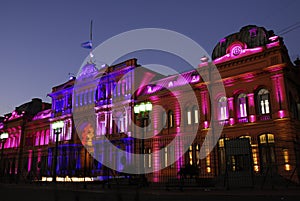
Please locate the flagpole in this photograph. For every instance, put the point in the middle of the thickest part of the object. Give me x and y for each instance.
(91, 39)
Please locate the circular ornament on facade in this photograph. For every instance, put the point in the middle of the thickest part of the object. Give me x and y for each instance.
(236, 50)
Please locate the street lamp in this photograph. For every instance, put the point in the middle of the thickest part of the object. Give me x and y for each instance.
(143, 109)
(57, 128)
(3, 138)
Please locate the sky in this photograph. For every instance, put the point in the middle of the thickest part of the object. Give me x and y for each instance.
(40, 40)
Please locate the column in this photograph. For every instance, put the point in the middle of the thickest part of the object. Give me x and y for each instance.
(251, 107)
(231, 110)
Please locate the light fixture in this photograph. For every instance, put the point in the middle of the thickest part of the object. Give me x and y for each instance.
(57, 126)
(142, 107)
(3, 136)
(136, 109)
(148, 106)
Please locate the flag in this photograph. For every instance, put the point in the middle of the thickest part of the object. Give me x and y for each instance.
(87, 45)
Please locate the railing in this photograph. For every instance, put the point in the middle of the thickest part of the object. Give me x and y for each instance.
(224, 122)
(265, 117)
(243, 120)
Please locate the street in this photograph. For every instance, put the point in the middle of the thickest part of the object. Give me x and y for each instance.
(63, 192)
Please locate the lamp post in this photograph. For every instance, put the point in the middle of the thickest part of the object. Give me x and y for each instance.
(3, 138)
(57, 128)
(142, 110)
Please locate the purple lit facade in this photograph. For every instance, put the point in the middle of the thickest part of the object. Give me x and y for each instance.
(261, 104)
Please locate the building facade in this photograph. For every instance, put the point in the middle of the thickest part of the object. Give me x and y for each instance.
(259, 113)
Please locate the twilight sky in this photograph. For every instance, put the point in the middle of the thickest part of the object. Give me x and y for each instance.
(40, 40)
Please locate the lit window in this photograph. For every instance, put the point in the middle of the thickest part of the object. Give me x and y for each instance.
(287, 166)
(263, 101)
(266, 138)
(223, 108)
(255, 159)
(221, 143)
(191, 155)
(196, 115)
(170, 119)
(207, 162)
(266, 151)
(198, 154)
(166, 156)
(242, 105)
(149, 158)
(189, 117)
(246, 137)
(233, 163)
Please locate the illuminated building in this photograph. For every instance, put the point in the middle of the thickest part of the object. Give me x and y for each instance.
(261, 107)
(28, 139)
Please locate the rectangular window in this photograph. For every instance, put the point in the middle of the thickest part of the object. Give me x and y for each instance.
(255, 159)
(191, 155)
(223, 113)
(287, 166)
(243, 110)
(233, 163)
(262, 107)
(171, 120)
(166, 156)
(207, 162)
(267, 106)
(198, 154)
(149, 158)
(196, 113)
(189, 118)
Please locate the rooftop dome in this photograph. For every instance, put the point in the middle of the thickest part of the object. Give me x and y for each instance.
(250, 36)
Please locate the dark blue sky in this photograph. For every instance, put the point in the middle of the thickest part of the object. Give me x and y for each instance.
(40, 40)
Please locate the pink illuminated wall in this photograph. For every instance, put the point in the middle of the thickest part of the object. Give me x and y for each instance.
(204, 104)
(244, 52)
(279, 89)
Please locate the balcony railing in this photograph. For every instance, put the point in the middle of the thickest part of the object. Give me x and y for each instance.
(224, 122)
(243, 120)
(265, 117)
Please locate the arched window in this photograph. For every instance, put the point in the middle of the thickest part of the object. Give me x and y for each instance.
(223, 108)
(242, 105)
(263, 101)
(170, 119)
